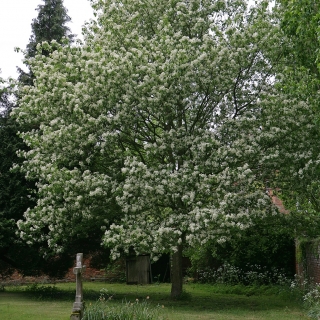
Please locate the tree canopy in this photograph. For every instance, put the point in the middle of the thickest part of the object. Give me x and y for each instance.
(162, 130)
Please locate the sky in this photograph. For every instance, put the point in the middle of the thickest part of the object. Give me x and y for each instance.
(15, 28)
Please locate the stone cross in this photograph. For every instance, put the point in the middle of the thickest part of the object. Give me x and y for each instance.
(78, 304)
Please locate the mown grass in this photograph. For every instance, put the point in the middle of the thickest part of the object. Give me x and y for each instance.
(199, 301)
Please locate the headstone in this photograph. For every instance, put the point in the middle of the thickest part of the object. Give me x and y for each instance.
(78, 305)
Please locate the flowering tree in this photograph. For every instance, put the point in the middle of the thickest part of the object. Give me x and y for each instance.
(149, 130)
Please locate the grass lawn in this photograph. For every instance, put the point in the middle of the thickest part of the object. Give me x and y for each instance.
(198, 302)
(17, 306)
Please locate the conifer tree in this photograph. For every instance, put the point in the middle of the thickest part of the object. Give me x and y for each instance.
(50, 24)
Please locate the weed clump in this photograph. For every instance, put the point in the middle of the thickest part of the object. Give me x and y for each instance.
(101, 310)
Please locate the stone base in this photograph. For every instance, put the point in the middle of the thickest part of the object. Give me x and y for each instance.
(77, 311)
(75, 316)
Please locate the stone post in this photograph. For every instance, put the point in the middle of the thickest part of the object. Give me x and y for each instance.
(78, 304)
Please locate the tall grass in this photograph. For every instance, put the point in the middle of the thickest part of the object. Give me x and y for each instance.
(127, 310)
(138, 310)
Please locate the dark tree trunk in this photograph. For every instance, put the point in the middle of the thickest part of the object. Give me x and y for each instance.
(176, 273)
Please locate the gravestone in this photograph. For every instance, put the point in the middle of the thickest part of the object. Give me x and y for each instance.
(78, 304)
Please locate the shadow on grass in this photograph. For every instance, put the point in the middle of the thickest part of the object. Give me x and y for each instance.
(195, 299)
(214, 303)
(201, 299)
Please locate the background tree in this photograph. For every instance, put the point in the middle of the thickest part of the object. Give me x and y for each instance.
(50, 24)
(300, 22)
(296, 153)
(18, 193)
(154, 125)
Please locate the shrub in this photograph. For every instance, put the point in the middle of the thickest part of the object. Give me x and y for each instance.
(42, 291)
(254, 275)
(309, 292)
(311, 300)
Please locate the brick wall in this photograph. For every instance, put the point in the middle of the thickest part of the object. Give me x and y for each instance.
(89, 274)
(308, 265)
(277, 202)
(313, 265)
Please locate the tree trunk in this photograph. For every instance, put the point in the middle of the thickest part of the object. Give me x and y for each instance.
(176, 273)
